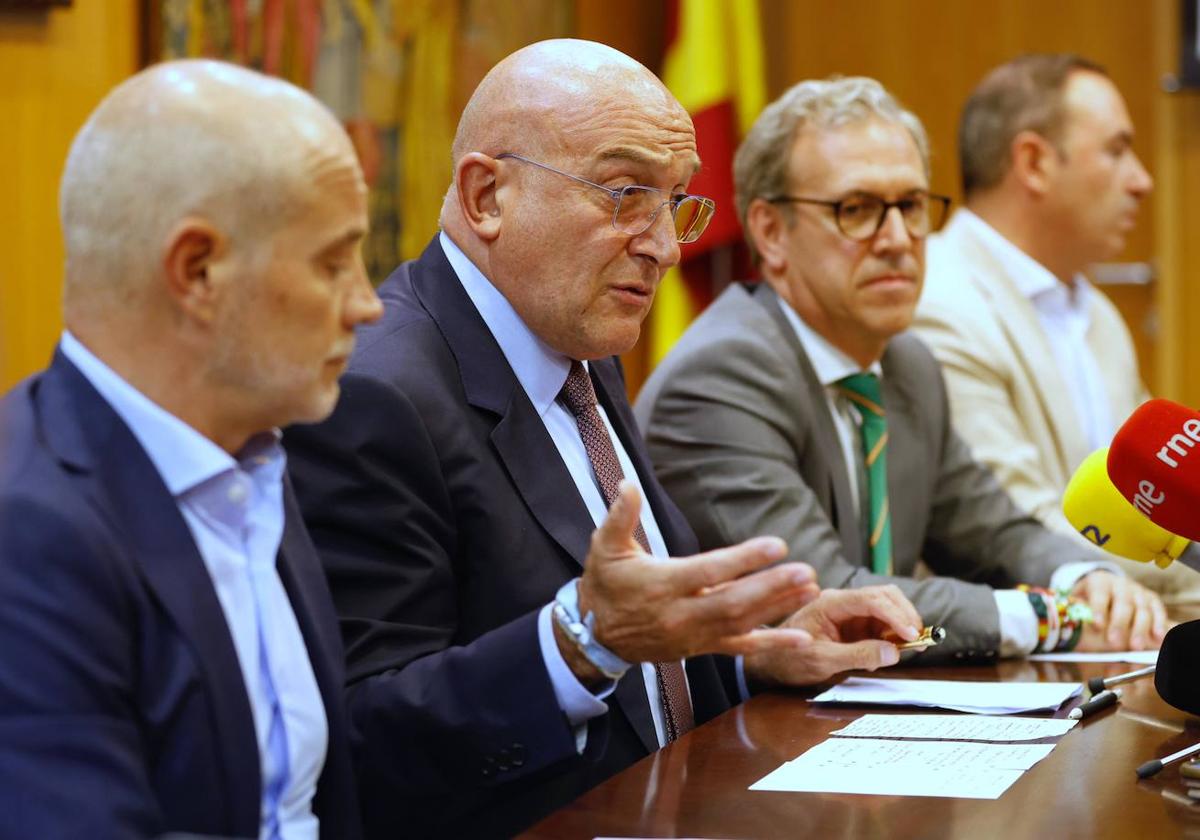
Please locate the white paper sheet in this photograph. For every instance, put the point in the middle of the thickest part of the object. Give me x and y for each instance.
(1138, 657)
(956, 727)
(906, 768)
(990, 698)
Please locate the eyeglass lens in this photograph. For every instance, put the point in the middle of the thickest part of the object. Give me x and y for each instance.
(860, 217)
(638, 207)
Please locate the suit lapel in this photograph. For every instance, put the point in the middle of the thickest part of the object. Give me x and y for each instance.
(907, 457)
(1018, 320)
(519, 436)
(125, 487)
(845, 514)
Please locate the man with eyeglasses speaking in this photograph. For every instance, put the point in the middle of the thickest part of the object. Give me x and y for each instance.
(502, 657)
(800, 407)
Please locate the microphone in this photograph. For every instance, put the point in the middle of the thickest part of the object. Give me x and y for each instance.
(1098, 511)
(1177, 680)
(1153, 463)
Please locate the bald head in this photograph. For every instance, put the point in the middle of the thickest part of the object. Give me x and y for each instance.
(181, 139)
(545, 127)
(531, 101)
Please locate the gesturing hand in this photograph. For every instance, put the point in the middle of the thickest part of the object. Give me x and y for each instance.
(649, 609)
(845, 626)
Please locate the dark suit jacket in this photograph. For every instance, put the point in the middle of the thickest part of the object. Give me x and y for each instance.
(740, 432)
(122, 707)
(446, 520)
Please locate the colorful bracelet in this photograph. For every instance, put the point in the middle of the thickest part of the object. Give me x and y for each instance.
(1061, 618)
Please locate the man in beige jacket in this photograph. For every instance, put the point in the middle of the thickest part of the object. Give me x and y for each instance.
(1039, 366)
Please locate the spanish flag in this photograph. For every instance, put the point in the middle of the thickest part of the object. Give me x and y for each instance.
(715, 66)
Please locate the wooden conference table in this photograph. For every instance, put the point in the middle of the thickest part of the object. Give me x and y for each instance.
(1086, 787)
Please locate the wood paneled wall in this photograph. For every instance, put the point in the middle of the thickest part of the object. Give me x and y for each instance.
(931, 54)
(55, 65)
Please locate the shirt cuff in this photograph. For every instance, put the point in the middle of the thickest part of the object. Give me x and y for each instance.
(1066, 576)
(1018, 622)
(576, 702)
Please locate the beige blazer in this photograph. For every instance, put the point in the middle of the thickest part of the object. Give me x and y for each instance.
(1008, 399)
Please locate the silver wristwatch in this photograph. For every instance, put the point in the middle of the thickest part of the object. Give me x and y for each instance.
(580, 630)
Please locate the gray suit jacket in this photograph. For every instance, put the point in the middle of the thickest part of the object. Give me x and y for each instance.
(741, 437)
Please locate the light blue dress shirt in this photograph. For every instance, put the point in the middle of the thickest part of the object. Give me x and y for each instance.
(542, 373)
(234, 510)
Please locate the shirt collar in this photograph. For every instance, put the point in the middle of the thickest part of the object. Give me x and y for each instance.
(541, 370)
(183, 457)
(1033, 280)
(829, 363)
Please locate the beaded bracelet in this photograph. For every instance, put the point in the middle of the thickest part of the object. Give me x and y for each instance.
(1061, 618)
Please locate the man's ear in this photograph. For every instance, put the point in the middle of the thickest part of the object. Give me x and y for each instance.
(193, 251)
(476, 179)
(767, 229)
(1034, 162)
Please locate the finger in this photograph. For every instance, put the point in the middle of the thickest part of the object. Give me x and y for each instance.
(1160, 618)
(614, 538)
(764, 640)
(866, 655)
(688, 575)
(904, 606)
(1098, 588)
(760, 598)
(872, 602)
(1139, 627)
(1120, 615)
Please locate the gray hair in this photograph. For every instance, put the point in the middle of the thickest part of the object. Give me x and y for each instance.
(1026, 94)
(164, 145)
(760, 167)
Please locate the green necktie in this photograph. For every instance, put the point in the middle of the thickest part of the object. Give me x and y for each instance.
(863, 391)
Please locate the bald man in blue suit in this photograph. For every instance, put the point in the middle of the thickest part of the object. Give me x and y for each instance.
(171, 659)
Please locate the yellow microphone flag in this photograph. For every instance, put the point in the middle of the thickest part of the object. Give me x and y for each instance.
(1098, 511)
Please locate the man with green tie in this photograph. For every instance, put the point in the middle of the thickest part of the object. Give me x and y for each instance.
(801, 407)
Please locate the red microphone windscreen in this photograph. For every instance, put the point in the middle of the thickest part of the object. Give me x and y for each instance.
(1154, 461)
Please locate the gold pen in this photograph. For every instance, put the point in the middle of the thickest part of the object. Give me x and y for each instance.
(930, 636)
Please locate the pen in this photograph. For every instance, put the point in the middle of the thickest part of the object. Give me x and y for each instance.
(1103, 700)
(931, 635)
(1098, 684)
(1151, 767)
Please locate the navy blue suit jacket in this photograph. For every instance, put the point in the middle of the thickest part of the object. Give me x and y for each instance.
(446, 520)
(122, 707)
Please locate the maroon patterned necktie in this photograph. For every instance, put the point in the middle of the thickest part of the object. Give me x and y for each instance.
(580, 399)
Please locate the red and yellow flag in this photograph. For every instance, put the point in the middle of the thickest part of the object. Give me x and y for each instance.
(715, 66)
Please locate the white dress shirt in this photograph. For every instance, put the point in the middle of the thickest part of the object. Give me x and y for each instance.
(542, 373)
(1018, 621)
(1062, 310)
(234, 511)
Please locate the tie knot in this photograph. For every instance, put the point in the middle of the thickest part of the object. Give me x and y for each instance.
(864, 391)
(577, 393)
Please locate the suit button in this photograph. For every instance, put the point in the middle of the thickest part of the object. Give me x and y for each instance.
(519, 754)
